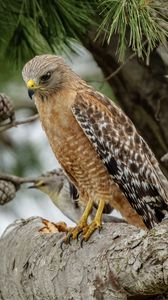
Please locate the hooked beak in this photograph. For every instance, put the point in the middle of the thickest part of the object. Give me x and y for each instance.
(31, 85)
(30, 93)
(37, 185)
(32, 187)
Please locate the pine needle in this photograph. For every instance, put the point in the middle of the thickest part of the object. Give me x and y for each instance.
(134, 21)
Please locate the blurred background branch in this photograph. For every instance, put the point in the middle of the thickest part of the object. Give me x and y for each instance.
(17, 122)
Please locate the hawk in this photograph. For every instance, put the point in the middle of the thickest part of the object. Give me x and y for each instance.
(97, 146)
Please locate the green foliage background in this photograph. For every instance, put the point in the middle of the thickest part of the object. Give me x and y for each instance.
(30, 27)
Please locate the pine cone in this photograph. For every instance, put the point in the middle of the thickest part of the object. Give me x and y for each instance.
(7, 191)
(6, 108)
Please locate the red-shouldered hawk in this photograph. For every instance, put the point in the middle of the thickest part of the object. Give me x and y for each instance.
(97, 146)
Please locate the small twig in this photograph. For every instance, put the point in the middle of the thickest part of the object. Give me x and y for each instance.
(164, 158)
(16, 179)
(16, 123)
(120, 67)
(113, 74)
(157, 112)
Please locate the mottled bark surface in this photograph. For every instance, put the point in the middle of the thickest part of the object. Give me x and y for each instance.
(119, 263)
(140, 89)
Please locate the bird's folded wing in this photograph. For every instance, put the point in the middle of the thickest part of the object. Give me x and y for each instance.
(125, 154)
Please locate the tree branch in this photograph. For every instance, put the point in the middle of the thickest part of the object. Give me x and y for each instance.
(114, 73)
(16, 123)
(119, 263)
(16, 179)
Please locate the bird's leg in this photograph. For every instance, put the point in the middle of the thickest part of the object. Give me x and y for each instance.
(82, 225)
(96, 223)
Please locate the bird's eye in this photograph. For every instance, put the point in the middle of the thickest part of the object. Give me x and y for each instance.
(45, 77)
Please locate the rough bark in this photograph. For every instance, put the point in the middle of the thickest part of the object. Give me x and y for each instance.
(140, 89)
(119, 263)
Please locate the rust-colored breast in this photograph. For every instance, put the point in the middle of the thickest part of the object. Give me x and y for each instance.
(77, 155)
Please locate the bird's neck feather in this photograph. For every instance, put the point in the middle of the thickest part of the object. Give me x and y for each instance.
(56, 115)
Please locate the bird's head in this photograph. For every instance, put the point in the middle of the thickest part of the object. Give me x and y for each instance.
(40, 185)
(51, 185)
(44, 74)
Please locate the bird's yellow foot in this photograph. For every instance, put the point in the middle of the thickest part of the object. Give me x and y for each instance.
(50, 227)
(95, 224)
(91, 228)
(73, 233)
(83, 227)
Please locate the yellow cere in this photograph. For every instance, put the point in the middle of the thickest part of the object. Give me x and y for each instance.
(31, 84)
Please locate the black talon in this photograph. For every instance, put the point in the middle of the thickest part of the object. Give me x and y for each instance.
(69, 237)
(100, 228)
(62, 251)
(61, 245)
(81, 243)
(79, 235)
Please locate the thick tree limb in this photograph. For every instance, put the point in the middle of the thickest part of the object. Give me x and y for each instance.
(119, 263)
